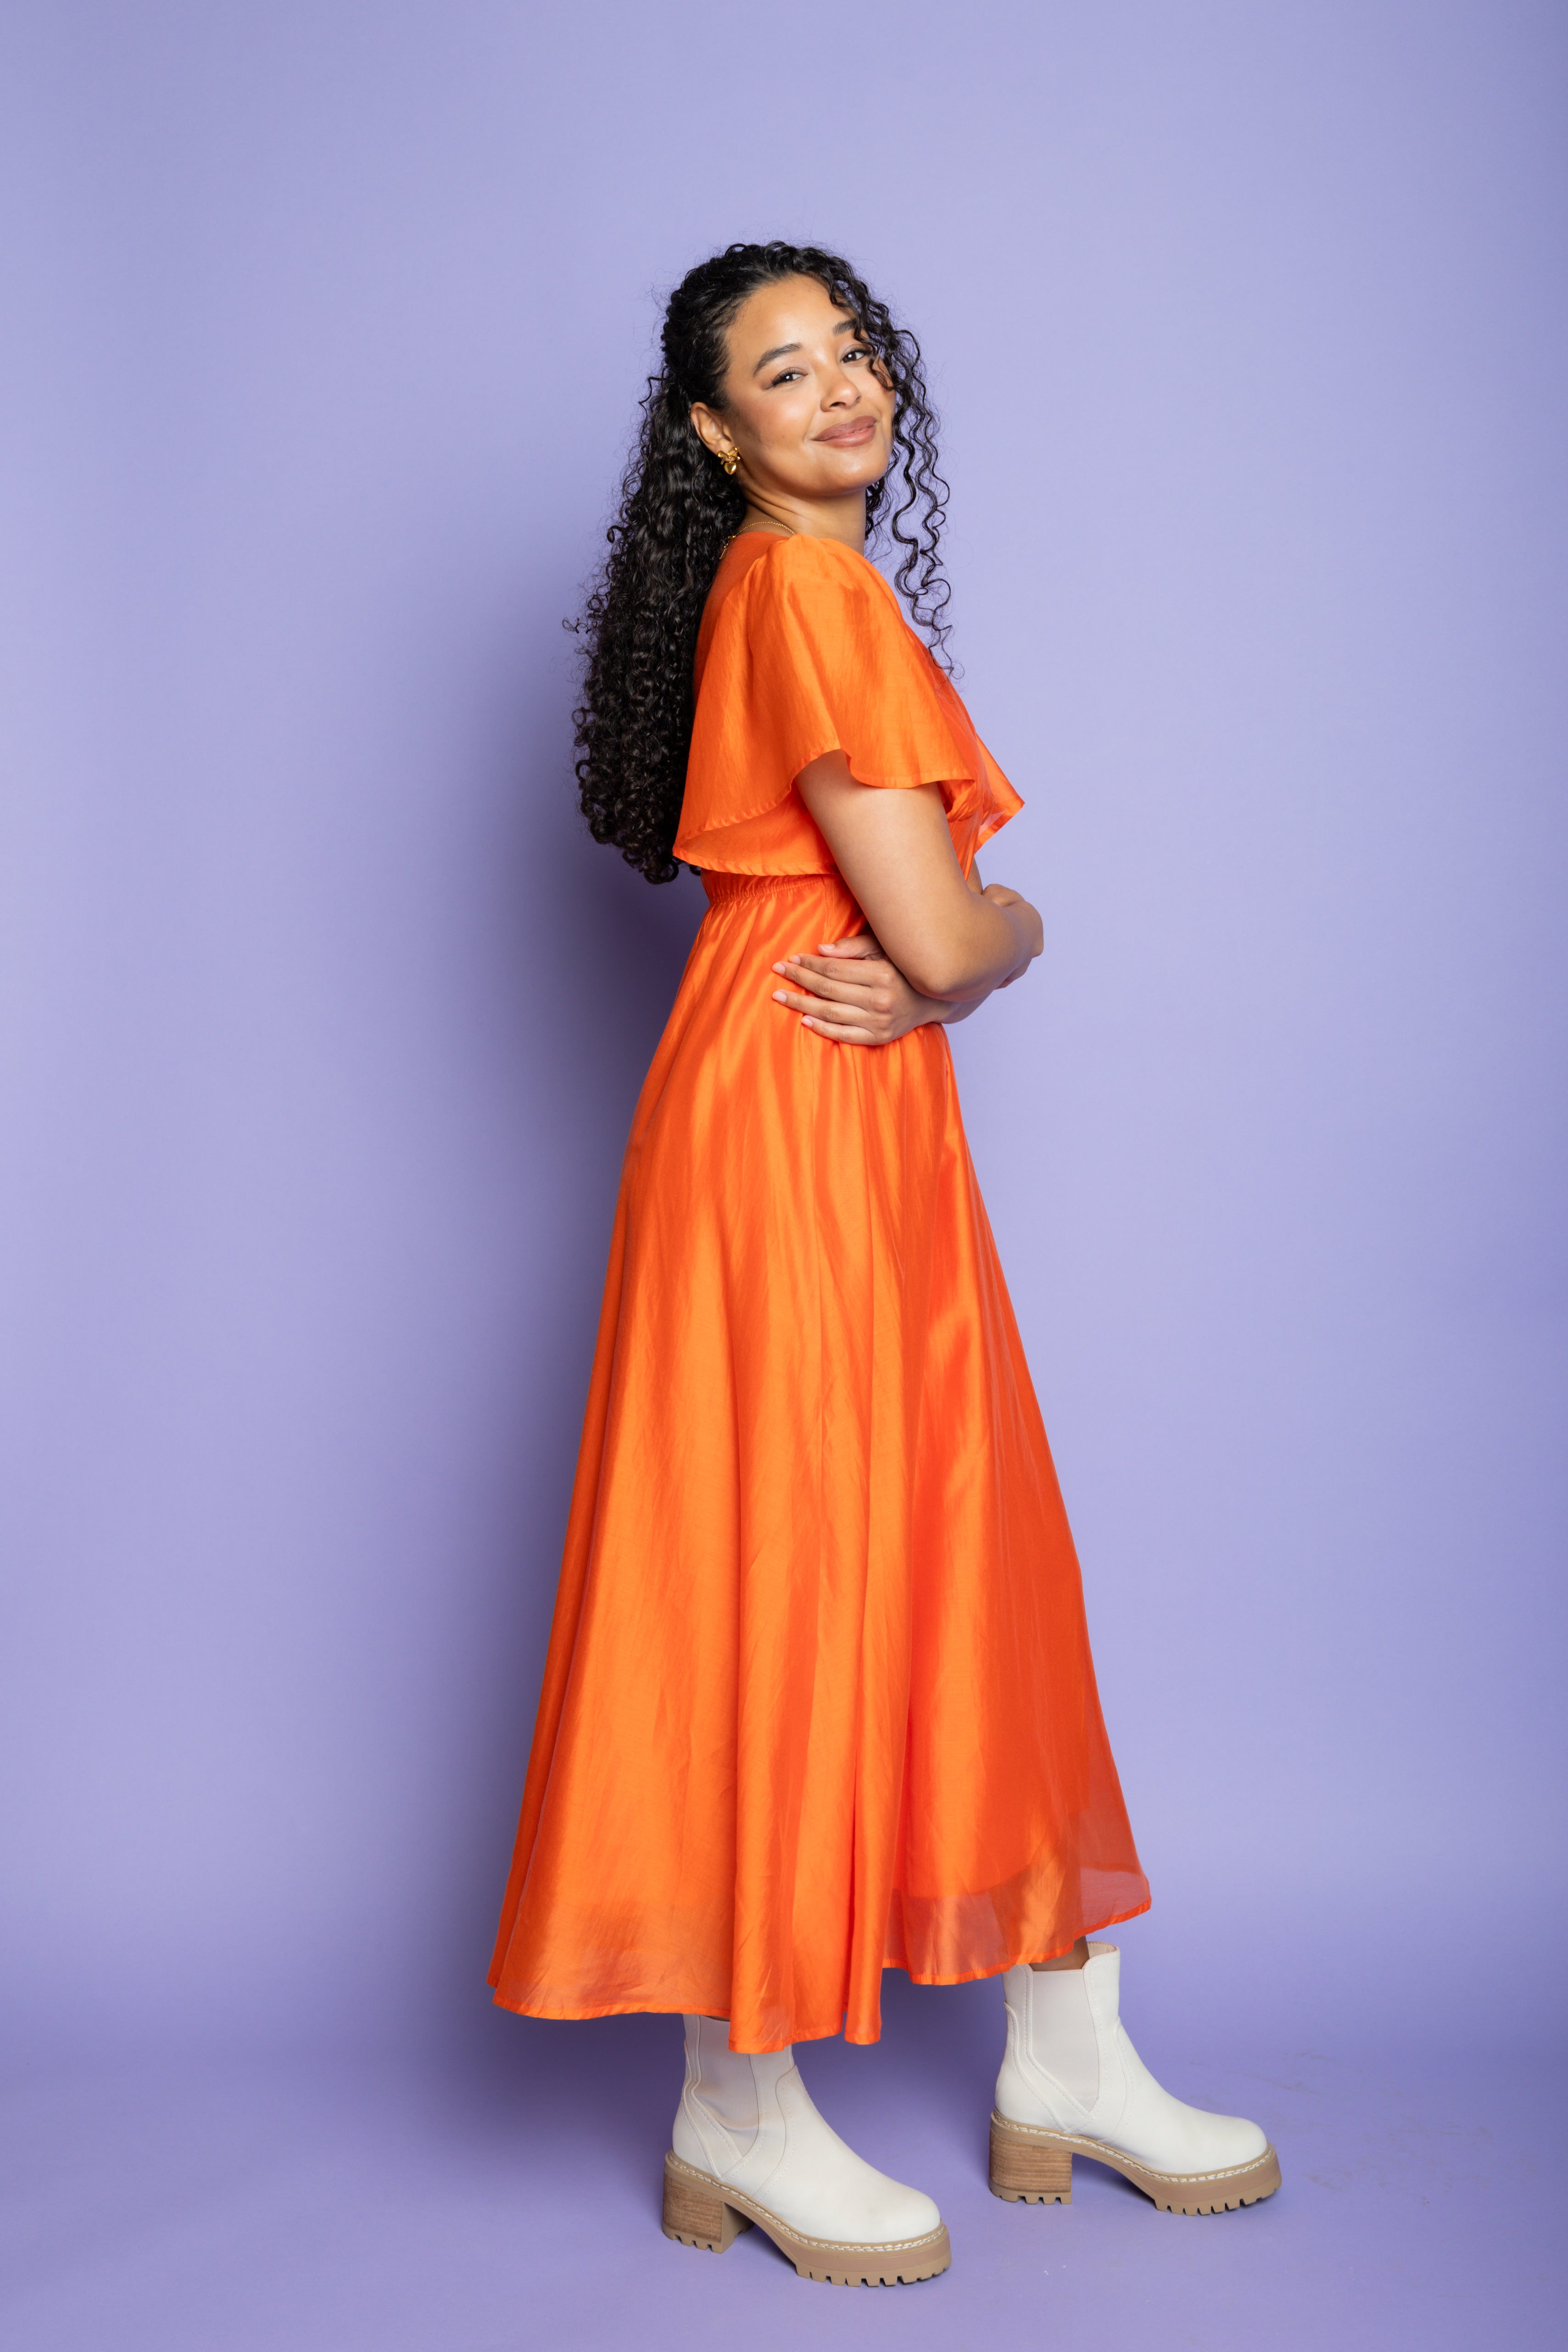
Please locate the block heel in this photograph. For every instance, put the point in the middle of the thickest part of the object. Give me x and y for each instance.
(1033, 2166)
(694, 2216)
(1029, 2167)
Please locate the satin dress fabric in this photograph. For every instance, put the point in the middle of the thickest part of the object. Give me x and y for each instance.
(819, 1698)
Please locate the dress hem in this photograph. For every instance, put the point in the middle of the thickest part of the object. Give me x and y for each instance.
(827, 2033)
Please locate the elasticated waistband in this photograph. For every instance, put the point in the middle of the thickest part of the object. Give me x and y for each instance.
(724, 887)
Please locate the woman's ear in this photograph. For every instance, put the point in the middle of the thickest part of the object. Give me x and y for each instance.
(711, 429)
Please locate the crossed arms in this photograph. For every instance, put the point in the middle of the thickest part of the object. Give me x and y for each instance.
(938, 943)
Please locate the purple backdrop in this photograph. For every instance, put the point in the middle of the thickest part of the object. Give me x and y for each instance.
(324, 328)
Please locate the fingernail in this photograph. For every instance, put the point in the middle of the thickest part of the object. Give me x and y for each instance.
(779, 996)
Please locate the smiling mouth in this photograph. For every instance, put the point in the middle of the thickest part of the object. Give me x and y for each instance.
(850, 435)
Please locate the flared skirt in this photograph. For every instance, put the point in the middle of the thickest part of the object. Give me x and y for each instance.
(819, 1697)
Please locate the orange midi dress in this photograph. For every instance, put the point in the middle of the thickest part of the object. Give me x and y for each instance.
(818, 1698)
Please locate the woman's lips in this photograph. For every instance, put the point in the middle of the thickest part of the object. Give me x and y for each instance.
(850, 435)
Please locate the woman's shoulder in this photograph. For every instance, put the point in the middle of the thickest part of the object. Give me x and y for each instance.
(804, 563)
(818, 587)
(767, 576)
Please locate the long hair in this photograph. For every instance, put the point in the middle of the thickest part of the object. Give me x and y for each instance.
(679, 511)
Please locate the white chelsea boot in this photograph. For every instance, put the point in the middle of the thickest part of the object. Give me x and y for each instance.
(1072, 2085)
(750, 2147)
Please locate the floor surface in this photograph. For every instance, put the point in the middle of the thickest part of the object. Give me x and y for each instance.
(511, 2199)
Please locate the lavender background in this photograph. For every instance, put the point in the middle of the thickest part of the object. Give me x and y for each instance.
(323, 329)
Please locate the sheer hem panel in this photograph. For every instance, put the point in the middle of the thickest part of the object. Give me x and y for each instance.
(655, 1989)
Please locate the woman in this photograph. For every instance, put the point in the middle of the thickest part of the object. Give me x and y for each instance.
(819, 1698)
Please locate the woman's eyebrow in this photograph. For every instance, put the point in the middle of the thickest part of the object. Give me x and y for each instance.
(845, 327)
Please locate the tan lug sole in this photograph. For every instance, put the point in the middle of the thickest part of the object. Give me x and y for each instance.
(700, 2211)
(1030, 2166)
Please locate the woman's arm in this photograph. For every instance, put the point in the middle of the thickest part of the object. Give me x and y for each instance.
(895, 851)
(849, 993)
(854, 996)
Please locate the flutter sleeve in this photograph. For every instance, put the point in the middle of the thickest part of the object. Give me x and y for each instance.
(811, 654)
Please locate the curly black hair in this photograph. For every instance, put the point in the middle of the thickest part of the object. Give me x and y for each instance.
(678, 511)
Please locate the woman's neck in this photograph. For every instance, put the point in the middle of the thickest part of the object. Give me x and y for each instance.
(841, 519)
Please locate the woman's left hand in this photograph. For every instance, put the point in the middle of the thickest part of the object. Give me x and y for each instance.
(850, 993)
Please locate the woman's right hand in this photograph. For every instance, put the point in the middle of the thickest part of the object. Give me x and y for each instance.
(854, 995)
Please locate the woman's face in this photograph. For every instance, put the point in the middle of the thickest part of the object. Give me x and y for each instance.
(806, 405)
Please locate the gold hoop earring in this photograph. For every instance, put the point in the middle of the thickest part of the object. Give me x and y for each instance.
(729, 460)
